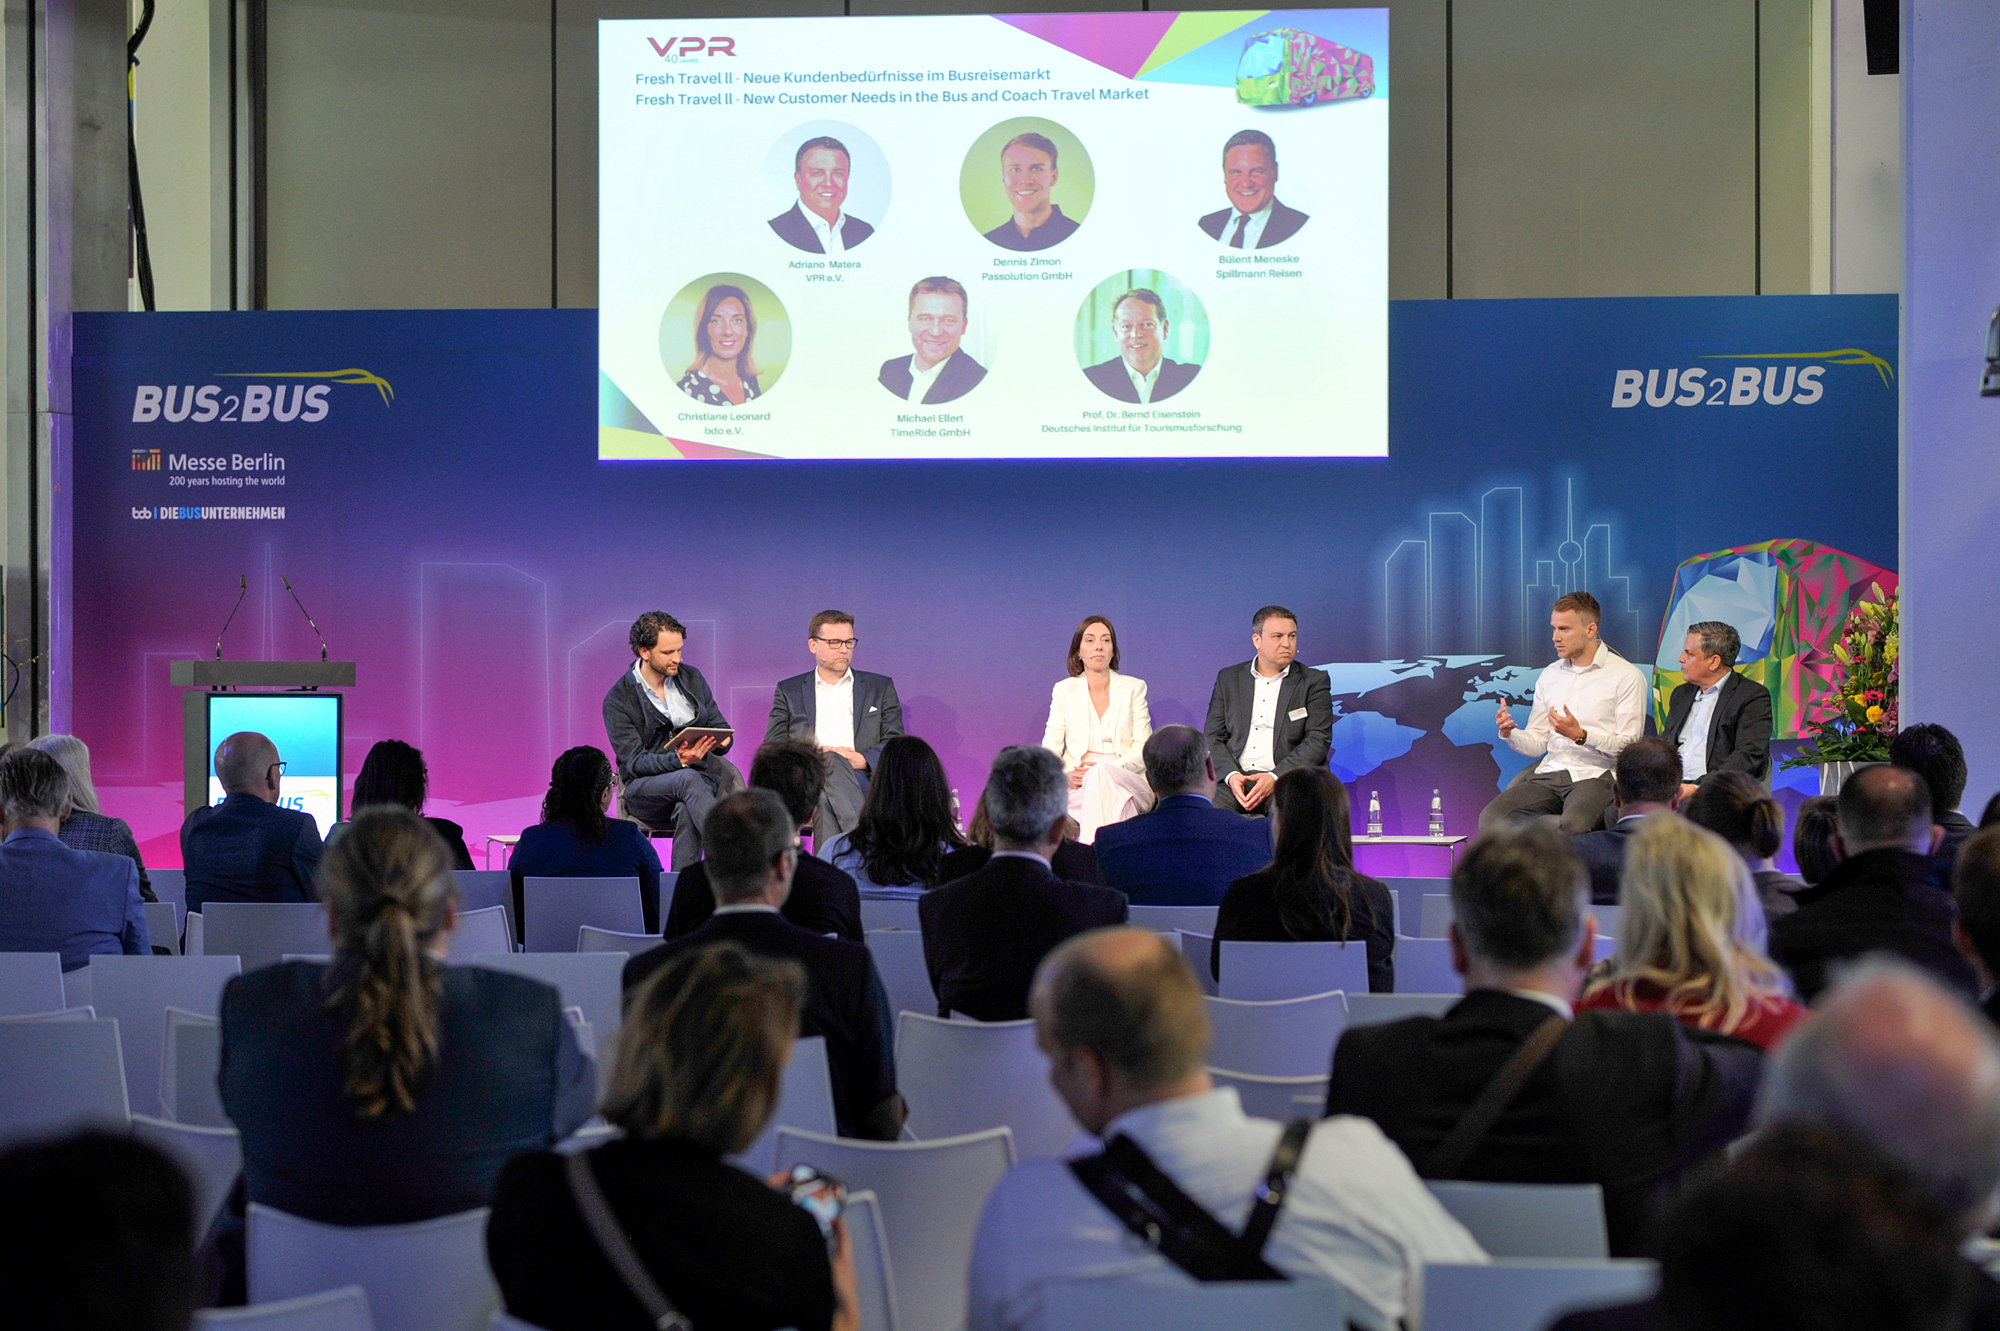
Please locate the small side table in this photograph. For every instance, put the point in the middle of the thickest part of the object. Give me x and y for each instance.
(1449, 844)
(509, 841)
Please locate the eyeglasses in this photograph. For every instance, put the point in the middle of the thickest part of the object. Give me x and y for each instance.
(838, 643)
(278, 767)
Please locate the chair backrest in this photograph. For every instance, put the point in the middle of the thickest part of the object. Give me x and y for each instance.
(805, 1101)
(1195, 951)
(30, 982)
(1166, 919)
(429, 1276)
(84, 1013)
(1514, 1295)
(59, 1076)
(966, 1076)
(899, 960)
(191, 945)
(163, 925)
(344, 1309)
(1607, 921)
(1410, 892)
(1437, 916)
(552, 909)
(1287, 1037)
(1374, 1009)
(76, 987)
(874, 1277)
(1423, 966)
(1529, 1219)
(479, 889)
(931, 1194)
(1165, 1302)
(479, 932)
(592, 981)
(889, 913)
(211, 1157)
(261, 932)
(1255, 971)
(590, 938)
(137, 991)
(502, 1322)
(190, 1056)
(1279, 1098)
(170, 885)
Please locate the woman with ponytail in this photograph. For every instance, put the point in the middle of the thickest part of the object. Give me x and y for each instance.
(1310, 892)
(1752, 821)
(578, 839)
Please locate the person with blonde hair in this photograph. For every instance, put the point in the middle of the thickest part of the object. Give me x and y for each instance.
(1680, 947)
(86, 826)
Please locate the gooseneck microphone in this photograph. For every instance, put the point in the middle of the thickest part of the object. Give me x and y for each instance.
(307, 613)
(242, 590)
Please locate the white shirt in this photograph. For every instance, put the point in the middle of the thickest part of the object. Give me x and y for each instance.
(1258, 749)
(833, 714)
(921, 380)
(1252, 233)
(1357, 1214)
(1144, 384)
(1559, 1006)
(828, 232)
(747, 908)
(1694, 733)
(675, 706)
(1042, 860)
(1607, 697)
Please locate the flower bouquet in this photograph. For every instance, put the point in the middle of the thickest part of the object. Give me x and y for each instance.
(1855, 722)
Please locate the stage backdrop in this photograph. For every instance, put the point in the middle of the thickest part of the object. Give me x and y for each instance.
(430, 484)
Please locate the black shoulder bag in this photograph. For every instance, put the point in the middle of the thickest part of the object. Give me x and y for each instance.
(1450, 1155)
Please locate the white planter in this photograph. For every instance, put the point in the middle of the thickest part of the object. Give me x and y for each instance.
(1832, 776)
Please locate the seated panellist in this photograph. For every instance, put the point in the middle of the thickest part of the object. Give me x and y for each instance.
(1267, 716)
(669, 779)
(1718, 721)
(1099, 723)
(1184, 851)
(847, 714)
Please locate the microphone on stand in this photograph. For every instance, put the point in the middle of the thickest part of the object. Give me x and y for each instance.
(308, 614)
(242, 590)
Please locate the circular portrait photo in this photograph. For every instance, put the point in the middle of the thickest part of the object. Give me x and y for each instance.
(949, 349)
(1027, 184)
(725, 338)
(1141, 336)
(830, 183)
(1255, 217)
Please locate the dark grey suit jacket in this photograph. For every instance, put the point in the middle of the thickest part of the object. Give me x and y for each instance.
(1110, 378)
(878, 713)
(1739, 729)
(960, 375)
(794, 230)
(1304, 741)
(639, 735)
(1284, 224)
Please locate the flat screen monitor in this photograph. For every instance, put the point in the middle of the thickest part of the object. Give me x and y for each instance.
(306, 729)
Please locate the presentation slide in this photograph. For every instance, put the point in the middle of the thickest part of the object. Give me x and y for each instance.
(306, 729)
(1133, 235)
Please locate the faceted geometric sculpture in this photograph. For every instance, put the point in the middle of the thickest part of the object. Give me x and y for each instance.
(1787, 600)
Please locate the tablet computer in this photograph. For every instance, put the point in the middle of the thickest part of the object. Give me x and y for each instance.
(689, 734)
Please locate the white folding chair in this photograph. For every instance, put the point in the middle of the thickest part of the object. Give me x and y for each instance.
(965, 1076)
(480, 931)
(211, 1157)
(592, 981)
(1168, 919)
(428, 1276)
(84, 1013)
(137, 991)
(874, 1279)
(76, 987)
(170, 885)
(1195, 951)
(1286, 1037)
(1374, 1009)
(261, 932)
(1529, 1219)
(553, 909)
(1169, 1301)
(1514, 1295)
(190, 1056)
(805, 1101)
(191, 944)
(1423, 966)
(1254, 971)
(931, 1194)
(502, 1322)
(60, 1076)
(480, 889)
(1279, 1098)
(889, 913)
(1607, 920)
(344, 1309)
(31, 982)
(1410, 893)
(1437, 916)
(899, 960)
(163, 925)
(590, 938)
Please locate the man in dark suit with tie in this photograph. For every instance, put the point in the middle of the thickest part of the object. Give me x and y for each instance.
(815, 223)
(1935, 754)
(753, 851)
(847, 714)
(247, 848)
(1254, 219)
(1183, 851)
(1720, 721)
(1627, 1100)
(1268, 715)
(937, 323)
(985, 934)
(1648, 782)
(1140, 372)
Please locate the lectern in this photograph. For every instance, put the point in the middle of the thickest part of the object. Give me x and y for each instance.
(295, 702)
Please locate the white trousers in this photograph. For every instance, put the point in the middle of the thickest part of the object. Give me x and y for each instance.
(1109, 794)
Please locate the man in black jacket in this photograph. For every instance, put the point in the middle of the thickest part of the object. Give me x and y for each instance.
(1935, 754)
(665, 782)
(1719, 720)
(1883, 895)
(1975, 888)
(1267, 716)
(1649, 781)
(1627, 1100)
(249, 847)
(753, 849)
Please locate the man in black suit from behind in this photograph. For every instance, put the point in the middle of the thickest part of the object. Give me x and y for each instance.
(1976, 931)
(1183, 851)
(1627, 1100)
(1254, 219)
(248, 848)
(1720, 721)
(1267, 715)
(1648, 782)
(753, 849)
(1935, 754)
(985, 934)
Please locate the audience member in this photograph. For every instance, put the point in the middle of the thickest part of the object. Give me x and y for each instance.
(1935, 754)
(1989, 816)
(1073, 859)
(52, 898)
(106, 1237)
(753, 851)
(395, 773)
(1627, 1100)
(985, 933)
(701, 1062)
(669, 780)
(385, 1086)
(575, 838)
(1976, 931)
(1744, 814)
(1883, 895)
(1184, 851)
(1126, 1031)
(1310, 891)
(248, 848)
(823, 899)
(1647, 781)
(1812, 838)
(1679, 947)
(897, 846)
(86, 826)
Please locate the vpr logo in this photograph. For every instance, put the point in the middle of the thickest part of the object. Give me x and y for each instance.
(686, 48)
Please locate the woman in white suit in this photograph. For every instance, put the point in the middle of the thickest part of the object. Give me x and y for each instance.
(1098, 722)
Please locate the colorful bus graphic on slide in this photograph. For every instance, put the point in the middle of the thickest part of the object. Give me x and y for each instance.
(1288, 67)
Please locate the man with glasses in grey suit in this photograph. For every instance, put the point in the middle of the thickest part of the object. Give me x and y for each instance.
(847, 714)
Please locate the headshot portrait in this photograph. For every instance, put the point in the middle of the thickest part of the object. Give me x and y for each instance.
(938, 368)
(1141, 336)
(834, 182)
(1027, 184)
(726, 338)
(1254, 218)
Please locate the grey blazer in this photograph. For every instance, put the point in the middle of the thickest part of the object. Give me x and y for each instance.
(1303, 740)
(878, 713)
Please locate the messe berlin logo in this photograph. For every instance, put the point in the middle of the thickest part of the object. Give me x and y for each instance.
(292, 398)
(145, 459)
(1783, 381)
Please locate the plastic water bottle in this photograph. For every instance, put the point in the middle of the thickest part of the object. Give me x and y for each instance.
(956, 820)
(1374, 813)
(1437, 814)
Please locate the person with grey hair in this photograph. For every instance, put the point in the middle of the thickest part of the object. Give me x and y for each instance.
(752, 850)
(985, 933)
(1513, 1085)
(53, 898)
(1719, 720)
(248, 847)
(1183, 851)
(86, 826)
